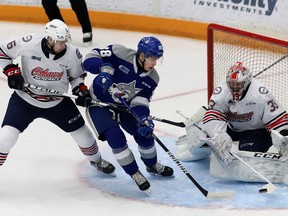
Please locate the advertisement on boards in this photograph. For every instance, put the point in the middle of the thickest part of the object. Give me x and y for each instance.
(207, 11)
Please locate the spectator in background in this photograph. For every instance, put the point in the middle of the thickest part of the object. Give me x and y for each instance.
(80, 9)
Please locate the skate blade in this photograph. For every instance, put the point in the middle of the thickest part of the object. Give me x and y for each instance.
(160, 176)
(113, 174)
(148, 192)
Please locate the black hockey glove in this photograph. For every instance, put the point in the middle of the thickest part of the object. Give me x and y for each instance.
(84, 98)
(15, 79)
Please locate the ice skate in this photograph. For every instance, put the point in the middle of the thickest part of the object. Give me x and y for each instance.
(160, 170)
(104, 166)
(141, 181)
(87, 38)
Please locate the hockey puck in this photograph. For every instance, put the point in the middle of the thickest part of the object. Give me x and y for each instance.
(263, 190)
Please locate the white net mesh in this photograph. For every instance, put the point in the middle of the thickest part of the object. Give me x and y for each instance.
(262, 49)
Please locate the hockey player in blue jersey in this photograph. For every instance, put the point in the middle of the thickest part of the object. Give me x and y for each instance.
(130, 74)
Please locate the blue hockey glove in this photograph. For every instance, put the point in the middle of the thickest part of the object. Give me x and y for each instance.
(15, 79)
(146, 127)
(84, 98)
(105, 77)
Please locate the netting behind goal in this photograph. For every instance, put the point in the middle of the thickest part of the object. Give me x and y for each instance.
(262, 49)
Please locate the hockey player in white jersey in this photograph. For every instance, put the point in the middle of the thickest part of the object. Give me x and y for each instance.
(242, 111)
(53, 63)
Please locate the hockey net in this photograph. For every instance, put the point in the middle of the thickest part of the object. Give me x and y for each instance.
(262, 49)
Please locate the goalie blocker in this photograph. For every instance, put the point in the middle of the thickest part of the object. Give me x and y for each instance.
(191, 147)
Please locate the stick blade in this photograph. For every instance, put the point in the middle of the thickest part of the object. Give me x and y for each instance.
(221, 195)
(268, 188)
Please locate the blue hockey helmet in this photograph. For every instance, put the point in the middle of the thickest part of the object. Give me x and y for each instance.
(151, 47)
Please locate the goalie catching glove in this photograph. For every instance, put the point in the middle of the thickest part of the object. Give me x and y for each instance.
(15, 79)
(284, 146)
(221, 145)
(84, 98)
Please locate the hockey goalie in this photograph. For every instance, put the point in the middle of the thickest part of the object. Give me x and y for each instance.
(242, 118)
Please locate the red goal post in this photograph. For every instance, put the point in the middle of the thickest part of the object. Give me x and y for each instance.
(262, 49)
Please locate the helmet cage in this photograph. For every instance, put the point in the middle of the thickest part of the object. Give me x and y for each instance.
(238, 79)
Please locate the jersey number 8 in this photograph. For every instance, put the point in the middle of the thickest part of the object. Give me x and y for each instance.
(105, 52)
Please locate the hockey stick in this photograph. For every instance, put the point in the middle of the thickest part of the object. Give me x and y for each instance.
(63, 94)
(268, 188)
(178, 124)
(276, 62)
(211, 195)
(197, 115)
(54, 92)
(99, 103)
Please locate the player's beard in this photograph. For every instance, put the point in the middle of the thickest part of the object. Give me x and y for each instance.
(51, 48)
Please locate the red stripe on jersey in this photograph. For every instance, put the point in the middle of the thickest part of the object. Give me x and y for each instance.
(213, 115)
(276, 123)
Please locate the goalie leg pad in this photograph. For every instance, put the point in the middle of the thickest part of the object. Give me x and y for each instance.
(221, 145)
(281, 143)
(186, 151)
(268, 164)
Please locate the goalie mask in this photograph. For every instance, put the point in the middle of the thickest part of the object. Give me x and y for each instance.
(57, 30)
(238, 79)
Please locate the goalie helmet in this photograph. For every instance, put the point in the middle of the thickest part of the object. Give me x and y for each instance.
(57, 30)
(151, 47)
(238, 79)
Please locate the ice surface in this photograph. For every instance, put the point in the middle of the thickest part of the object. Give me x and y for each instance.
(46, 174)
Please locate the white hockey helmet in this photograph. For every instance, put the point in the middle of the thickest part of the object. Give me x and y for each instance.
(238, 79)
(57, 30)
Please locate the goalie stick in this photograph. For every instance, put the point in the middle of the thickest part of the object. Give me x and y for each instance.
(210, 195)
(268, 188)
(276, 62)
